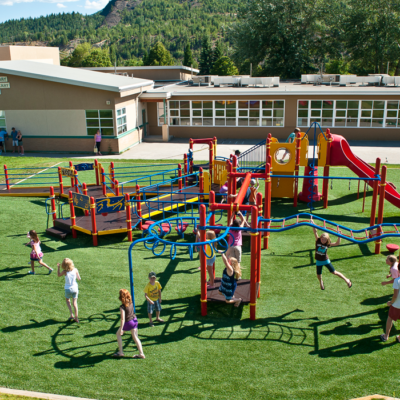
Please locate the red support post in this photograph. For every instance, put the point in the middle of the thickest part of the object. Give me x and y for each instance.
(215, 146)
(375, 193)
(267, 205)
(191, 144)
(60, 180)
(72, 209)
(382, 188)
(112, 174)
(203, 262)
(116, 187)
(53, 203)
(76, 181)
(234, 169)
(185, 166)
(128, 217)
(259, 200)
(201, 184)
(296, 168)
(103, 182)
(84, 190)
(72, 178)
(211, 202)
(180, 177)
(139, 206)
(6, 177)
(229, 200)
(253, 264)
(96, 171)
(268, 147)
(325, 184)
(191, 165)
(94, 225)
(365, 193)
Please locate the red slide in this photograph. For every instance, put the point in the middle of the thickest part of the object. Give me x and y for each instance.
(341, 154)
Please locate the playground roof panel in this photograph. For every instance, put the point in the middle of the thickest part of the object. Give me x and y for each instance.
(73, 76)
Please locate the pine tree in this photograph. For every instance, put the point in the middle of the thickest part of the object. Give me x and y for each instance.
(217, 53)
(188, 57)
(159, 55)
(206, 57)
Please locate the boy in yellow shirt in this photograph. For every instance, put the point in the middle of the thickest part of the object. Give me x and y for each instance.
(152, 292)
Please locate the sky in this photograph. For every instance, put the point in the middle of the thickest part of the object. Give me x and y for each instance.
(16, 9)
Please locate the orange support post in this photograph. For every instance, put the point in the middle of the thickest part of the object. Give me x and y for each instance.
(94, 225)
(203, 262)
(84, 190)
(201, 184)
(96, 171)
(296, 169)
(267, 205)
(60, 180)
(73, 220)
(325, 185)
(211, 162)
(382, 187)
(139, 206)
(215, 146)
(180, 177)
(253, 264)
(243, 189)
(128, 217)
(375, 193)
(76, 181)
(73, 178)
(103, 182)
(112, 174)
(6, 177)
(259, 200)
(53, 203)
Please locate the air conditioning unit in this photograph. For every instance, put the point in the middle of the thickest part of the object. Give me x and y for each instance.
(202, 80)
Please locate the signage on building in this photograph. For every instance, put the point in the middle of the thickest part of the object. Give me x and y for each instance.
(4, 85)
(67, 172)
(110, 204)
(3, 79)
(81, 201)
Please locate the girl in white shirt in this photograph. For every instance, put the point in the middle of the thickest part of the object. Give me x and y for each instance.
(71, 286)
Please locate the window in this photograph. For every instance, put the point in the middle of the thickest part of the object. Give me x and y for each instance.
(100, 119)
(226, 113)
(349, 113)
(160, 113)
(121, 120)
(2, 120)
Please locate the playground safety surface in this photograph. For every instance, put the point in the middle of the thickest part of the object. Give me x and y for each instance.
(242, 291)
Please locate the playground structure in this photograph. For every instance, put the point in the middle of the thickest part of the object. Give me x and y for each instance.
(127, 198)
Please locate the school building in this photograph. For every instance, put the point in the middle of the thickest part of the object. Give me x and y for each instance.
(58, 109)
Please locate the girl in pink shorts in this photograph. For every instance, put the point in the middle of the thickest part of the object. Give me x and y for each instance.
(36, 253)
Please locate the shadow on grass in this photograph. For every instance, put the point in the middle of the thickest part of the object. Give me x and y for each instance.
(13, 273)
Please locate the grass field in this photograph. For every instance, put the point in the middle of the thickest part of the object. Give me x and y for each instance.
(305, 344)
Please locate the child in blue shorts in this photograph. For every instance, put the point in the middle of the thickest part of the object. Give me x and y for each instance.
(322, 244)
(152, 292)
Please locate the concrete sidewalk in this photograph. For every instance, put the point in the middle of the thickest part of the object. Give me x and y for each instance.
(388, 152)
(38, 395)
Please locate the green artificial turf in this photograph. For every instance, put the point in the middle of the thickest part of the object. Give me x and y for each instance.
(305, 344)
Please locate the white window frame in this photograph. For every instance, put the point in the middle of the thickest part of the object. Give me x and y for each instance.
(359, 118)
(214, 112)
(3, 116)
(123, 125)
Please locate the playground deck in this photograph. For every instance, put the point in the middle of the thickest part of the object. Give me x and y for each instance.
(242, 291)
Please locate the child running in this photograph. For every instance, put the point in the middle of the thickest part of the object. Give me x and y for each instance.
(36, 253)
(210, 235)
(129, 322)
(394, 269)
(152, 292)
(71, 286)
(229, 280)
(322, 245)
(235, 243)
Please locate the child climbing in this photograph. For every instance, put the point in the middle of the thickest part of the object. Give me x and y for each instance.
(394, 269)
(210, 235)
(152, 292)
(71, 286)
(322, 245)
(229, 280)
(235, 237)
(36, 253)
(129, 322)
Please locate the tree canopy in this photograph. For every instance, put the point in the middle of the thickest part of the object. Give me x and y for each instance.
(224, 66)
(159, 55)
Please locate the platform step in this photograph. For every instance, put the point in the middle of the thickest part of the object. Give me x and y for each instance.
(58, 233)
(62, 225)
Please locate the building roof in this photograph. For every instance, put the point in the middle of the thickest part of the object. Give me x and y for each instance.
(72, 76)
(196, 71)
(285, 89)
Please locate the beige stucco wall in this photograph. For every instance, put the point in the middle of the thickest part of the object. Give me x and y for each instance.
(47, 122)
(5, 53)
(153, 74)
(49, 55)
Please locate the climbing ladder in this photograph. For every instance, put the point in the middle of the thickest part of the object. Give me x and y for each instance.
(253, 159)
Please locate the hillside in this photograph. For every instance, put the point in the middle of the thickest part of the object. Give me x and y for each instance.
(129, 27)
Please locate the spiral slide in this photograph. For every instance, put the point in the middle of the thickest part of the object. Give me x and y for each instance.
(341, 155)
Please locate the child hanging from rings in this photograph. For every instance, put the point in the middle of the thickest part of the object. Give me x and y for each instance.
(36, 253)
(235, 237)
